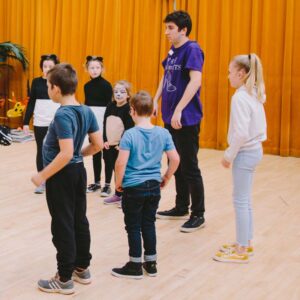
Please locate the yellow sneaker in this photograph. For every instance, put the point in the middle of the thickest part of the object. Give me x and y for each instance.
(231, 257)
(232, 247)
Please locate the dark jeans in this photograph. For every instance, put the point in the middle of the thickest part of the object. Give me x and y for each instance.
(66, 198)
(97, 165)
(110, 157)
(139, 205)
(188, 177)
(39, 134)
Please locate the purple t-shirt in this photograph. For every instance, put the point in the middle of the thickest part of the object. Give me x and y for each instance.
(177, 66)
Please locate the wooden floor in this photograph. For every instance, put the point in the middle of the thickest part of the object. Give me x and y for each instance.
(186, 270)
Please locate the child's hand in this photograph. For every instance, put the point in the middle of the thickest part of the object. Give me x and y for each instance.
(106, 145)
(119, 187)
(117, 147)
(37, 179)
(225, 163)
(165, 180)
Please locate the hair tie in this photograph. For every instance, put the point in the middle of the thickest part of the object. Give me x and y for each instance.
(249, 56)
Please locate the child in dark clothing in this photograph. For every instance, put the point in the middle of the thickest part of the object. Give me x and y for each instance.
(98, 94)
(65, 178)
(117, 119)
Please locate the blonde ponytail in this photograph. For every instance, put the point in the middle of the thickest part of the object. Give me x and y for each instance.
(254, 74)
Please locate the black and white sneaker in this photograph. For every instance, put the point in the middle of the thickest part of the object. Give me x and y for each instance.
(130, 270)
(106, 191)
(150, 268)
(193, 224)
(93, 187)
(172, 214)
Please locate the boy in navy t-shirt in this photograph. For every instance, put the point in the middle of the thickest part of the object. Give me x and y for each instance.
(138, 176)
(65, 178)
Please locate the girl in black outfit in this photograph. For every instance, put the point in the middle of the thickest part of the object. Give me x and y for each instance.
(98, 93)
(117, 119)
(42, 108)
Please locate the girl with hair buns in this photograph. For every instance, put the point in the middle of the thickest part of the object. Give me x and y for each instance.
(98, 93)
(42, 108)
(247, 131)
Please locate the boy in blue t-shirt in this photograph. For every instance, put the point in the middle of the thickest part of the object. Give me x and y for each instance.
(138, 176)
(65, 178)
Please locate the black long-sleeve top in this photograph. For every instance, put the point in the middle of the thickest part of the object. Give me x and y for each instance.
(98, 92)
(39, 90)
(121, 112)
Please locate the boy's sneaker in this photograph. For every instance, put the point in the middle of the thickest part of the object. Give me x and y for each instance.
(54, 285)
(231, 257)
(130, 270)
(232, 247)
(193, 224)
(106, 191)
(40, 189)
(112, 200)
(172, 214)
(93, 187)
(150, 268)
(83, 277)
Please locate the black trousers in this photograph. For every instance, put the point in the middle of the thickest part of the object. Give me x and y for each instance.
(39, 134)
(110, 157)
(66, 199)
(97, 165)
(188, 177)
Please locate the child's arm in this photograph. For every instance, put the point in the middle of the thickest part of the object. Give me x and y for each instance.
(120, 167)
(61, 160)
(174, 160)
(95, 145)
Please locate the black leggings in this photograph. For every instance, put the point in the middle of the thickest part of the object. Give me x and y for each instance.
(97, 165)
(110, 156)
(39, 134)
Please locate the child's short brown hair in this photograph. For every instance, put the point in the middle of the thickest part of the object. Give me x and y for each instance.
(64, 76)
(142, 103)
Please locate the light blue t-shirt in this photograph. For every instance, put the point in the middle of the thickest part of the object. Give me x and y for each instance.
(146, 148)
(70, 122)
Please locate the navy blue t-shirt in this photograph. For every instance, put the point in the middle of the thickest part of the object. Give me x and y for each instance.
(70, 122)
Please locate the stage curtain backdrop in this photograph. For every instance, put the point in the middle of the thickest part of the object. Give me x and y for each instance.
(129, 34)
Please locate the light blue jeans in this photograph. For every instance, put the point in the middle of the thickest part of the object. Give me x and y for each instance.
(243, 168)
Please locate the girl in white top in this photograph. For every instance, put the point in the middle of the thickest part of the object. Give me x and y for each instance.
(247, 131)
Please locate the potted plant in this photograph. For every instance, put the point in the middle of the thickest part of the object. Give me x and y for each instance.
(9, 51)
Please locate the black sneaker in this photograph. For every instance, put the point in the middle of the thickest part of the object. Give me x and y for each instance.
(106, 191)
(93, 188)
(193, 224)
(130, 270)
(172, 214)
(150, 268)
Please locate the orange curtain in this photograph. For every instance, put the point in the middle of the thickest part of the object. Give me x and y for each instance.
(129, 34)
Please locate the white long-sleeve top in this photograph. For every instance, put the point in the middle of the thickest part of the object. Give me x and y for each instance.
(247, 125)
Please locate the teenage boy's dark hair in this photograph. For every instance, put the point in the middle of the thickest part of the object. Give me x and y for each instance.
(63, 76)
(182, 19)
(142, 103)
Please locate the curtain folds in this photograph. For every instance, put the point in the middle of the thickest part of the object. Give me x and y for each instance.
(129, 34)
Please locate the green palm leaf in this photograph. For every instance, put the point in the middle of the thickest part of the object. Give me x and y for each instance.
(14, 51)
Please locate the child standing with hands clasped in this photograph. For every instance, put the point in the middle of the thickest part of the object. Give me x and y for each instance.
(117, 119)
(138, 174)
(247, 131)
(65, 178)
(98, 93)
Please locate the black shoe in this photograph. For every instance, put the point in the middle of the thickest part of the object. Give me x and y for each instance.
(193, 224)
(172, 214)
(130, 270)
(150, 268)
(93, 188)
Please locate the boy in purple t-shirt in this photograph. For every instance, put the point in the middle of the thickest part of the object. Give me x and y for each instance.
(182, 113)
